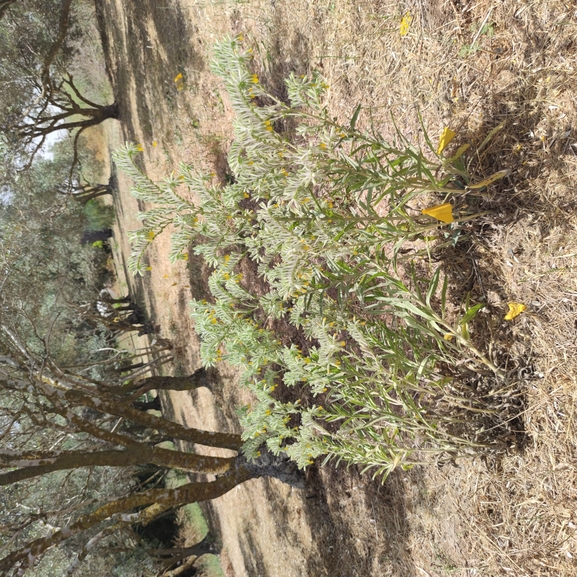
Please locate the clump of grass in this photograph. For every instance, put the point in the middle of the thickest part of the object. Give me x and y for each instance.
(326, 214)
(209, 566)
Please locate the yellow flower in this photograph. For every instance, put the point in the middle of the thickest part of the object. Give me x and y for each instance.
(139, 147)
(154, 143)
(515, 309)
(151, 235)
(446, 136)
(254, 79)
(443, 212)
(179, 80)
(405, 24)
(448, 337)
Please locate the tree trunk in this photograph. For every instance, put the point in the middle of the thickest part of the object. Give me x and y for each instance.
(200, 378)
(153, 405)
(175, 556)
(91, 192)
(43, 126)
(141, 454)
(111, 405)
(60, 395)
(120, 300)
(202, 548)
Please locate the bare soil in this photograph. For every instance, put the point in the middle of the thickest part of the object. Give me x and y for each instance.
(468, 65)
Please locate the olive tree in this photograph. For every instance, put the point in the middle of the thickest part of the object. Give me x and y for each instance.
(40, 401)
(39, 95)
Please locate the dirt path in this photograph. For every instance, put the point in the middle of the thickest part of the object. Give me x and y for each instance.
(475, 519)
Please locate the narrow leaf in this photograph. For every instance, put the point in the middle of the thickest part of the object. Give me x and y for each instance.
(471, 313)
(433, 286)
(485, 142)
(490, 180)
(355, 116)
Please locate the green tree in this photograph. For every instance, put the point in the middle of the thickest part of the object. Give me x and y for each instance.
(39, 95)
(46, 271)
(108, 431)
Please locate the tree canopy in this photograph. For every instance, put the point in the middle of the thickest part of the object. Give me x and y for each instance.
(38, 43)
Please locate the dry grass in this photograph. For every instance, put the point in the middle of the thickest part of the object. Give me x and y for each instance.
(514, 515)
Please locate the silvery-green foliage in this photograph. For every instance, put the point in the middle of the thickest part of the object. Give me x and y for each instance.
(320, 210)
(169, 209)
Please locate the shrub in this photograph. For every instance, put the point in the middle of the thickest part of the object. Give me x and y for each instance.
(325, 214)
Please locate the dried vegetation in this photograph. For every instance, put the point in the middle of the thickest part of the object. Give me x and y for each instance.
(471, 66)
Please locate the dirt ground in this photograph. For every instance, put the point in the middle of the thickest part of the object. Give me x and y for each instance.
(468, 65)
